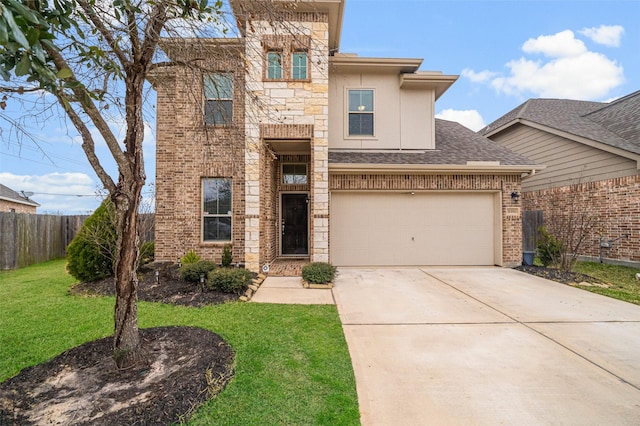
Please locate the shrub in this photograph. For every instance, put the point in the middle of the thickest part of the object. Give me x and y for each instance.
(91, 254)
(229, 280)
(318, 273)
(191, 271)
(147, 252)
(190, 257)
(227, 256)
(549, 248)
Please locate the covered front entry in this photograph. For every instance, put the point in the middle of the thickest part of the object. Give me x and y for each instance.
(414, 228)
(294, 225)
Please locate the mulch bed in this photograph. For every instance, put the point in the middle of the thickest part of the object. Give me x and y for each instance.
(181, 368)
(553, 274)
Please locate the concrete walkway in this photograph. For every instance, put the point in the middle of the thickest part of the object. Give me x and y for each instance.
(486, 346)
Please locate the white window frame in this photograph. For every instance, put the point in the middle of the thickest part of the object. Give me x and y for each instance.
(306, 170)
(295, 67)
(220, 98)
(269, 68)
(349, 112)
(218, 214)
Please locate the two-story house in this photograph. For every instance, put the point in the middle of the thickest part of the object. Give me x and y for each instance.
(277, 143)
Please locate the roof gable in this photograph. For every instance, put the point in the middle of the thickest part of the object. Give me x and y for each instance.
(9, 194)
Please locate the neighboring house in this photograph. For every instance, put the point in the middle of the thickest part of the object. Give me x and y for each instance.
(591, 151)
(12, 201)
(285, 148)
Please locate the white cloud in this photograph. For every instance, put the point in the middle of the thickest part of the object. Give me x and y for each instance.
(468, 118)
(559, 45)
(478, 77)
(57, 193)
(608, 35)
(570, 71)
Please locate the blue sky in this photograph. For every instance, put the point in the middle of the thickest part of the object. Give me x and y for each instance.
(504, 51)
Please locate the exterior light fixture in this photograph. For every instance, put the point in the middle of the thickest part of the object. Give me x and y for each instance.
(157, 273)
(202, 281)
(515, 196)
(179, 263)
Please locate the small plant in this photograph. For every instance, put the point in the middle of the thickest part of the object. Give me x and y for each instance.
(229, 280)
(318, 273)
(190, 257)
(191, 272)
(147, 252)
(549, 248)
(227, 256)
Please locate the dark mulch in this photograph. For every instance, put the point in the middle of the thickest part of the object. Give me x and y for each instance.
(181, 368)
(170, 288)
(572, 278)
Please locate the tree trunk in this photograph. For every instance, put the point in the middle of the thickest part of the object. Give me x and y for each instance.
(126, 338)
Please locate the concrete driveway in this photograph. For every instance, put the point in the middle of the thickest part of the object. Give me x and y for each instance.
(487, 346)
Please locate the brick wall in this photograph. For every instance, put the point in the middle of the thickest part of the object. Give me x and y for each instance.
(8, 206)
(616, 202)
(187, 151)
(505, 184)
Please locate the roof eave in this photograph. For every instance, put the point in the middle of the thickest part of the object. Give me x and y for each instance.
(433, 168)
(17, 201)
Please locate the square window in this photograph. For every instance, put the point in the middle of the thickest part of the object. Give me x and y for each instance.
(274, 65)
(218, 94)
(294, 174)
(299, 65)
(361, 110)
(216, 209)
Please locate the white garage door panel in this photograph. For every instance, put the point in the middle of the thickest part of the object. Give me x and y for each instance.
(370, 229)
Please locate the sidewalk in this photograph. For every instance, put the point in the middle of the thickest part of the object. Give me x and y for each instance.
(289, 290)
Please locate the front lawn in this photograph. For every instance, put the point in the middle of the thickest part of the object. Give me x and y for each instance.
(292, 361)
(621, 280)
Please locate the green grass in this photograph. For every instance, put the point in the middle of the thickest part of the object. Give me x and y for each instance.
(622, 282)
(292, 362)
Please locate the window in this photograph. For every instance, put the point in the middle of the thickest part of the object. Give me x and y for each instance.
(299, 65)
(218, 94)
(216, 209)
(360, 112)
(294, 174)
(274, 65)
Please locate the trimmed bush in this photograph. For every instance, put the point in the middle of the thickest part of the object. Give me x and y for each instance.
(191, 271)
(147, 252)
(91, 254)
(318, 273)
(190, 257)
(229, 280)
(227, 256)
(549, 248)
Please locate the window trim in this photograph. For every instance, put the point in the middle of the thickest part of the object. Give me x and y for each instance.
(306, 170)
(229, 121)
(347, 133)
(203, 216)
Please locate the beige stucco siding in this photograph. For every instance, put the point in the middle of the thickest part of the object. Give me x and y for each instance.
(567, 162)
(403, 119)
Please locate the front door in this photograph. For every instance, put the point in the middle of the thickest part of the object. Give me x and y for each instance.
(295, 224)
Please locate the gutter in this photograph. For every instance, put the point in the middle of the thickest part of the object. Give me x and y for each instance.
(472, 168)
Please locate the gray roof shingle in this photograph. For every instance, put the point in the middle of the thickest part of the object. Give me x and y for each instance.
(455, 145)
(615, 124)
(9, 194)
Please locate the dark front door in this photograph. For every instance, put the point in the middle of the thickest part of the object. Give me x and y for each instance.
(295, 224)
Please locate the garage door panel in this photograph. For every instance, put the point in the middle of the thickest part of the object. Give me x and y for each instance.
(369, 229)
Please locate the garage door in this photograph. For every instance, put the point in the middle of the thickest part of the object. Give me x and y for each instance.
(377, 229)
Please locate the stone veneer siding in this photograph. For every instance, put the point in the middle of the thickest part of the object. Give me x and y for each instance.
(615, 201)
(505, 184)
(187, 151)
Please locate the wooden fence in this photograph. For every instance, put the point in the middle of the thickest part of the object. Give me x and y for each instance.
(26, 239)
(531, 222)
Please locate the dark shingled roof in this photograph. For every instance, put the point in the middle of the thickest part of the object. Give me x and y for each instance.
(455, 145)
(616, 124)
(9, 194)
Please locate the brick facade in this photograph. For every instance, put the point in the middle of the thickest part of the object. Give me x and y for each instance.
(504, 184)
(616, 202)
(9, 206)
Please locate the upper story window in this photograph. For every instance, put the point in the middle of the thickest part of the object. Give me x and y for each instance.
(361, 112)
(216, 209)
(299, 65)
(274, 65)
(294, 174)
(218, 94)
